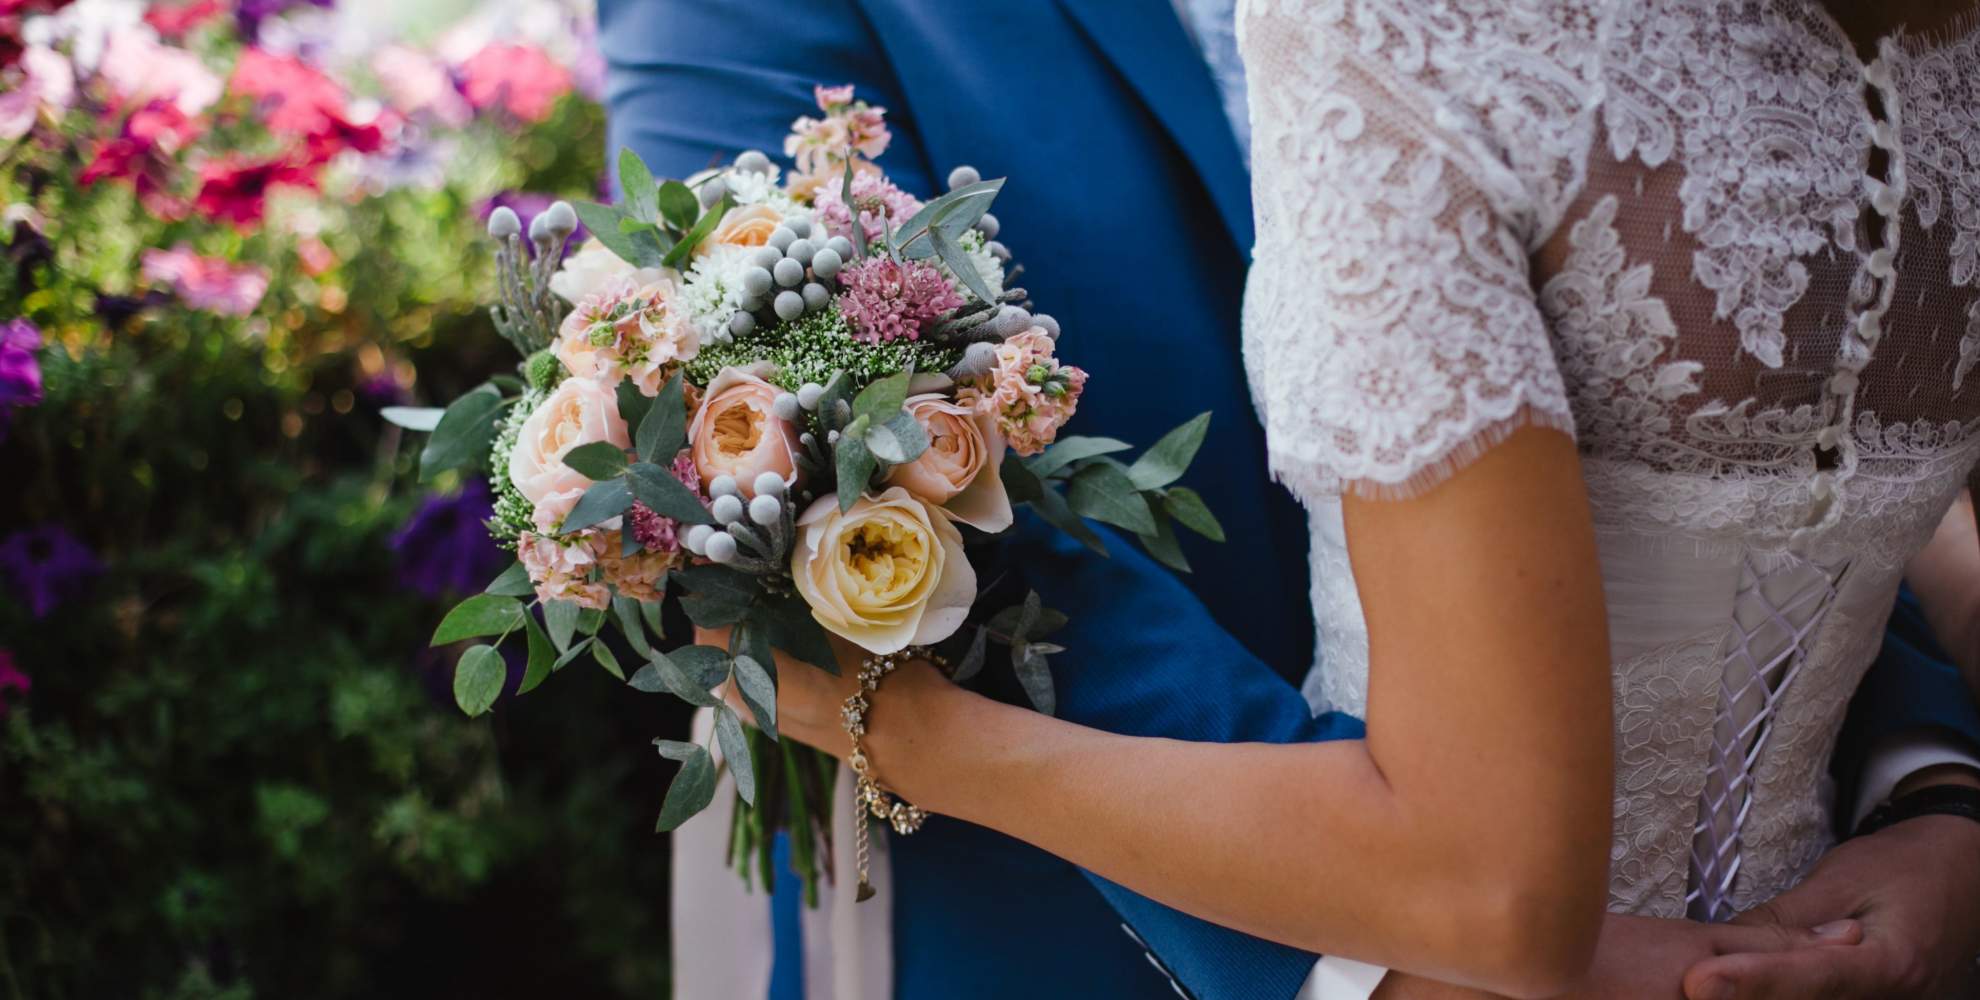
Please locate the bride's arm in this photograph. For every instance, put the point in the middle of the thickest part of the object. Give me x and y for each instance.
(1466, 839)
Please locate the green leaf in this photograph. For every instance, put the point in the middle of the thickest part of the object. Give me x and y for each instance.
(788, 623)
(413, 418)
(735, 750)
(599, 460)
(1104, 493)
(1072, 449)
(636, 184)
(846, 196)
(678, 205)
(541, 657)
(633, 404)
(882, 398)
(1020, 485)
(601, 652)
(602, 502)
(478, 679)
(759, 692)
(1161, 543)
(663, 427)
(627, 611)
(661, 673)
(1191, 512)
(899, 440)
(953, 211)
(960, 265)
(640, 249)
(972, 661)
(1035, 674)
(650, 610)
(482, 614)
(664, 495)
(855, 467)
(577, 649)
(716, 595)
(1053, 508)
(679, 254)
(514, 582)
(561, 617)
(1170, 457)
(693, 787)
(838, 389)
(464, 434)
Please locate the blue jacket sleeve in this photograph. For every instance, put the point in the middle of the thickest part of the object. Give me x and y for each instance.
(689, 83)
(1144, 658)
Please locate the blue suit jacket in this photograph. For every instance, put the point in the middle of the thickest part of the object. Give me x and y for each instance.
(1128, 203)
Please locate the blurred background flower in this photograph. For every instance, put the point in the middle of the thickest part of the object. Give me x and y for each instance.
(230, 232)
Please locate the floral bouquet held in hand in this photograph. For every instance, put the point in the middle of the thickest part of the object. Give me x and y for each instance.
(798, 404)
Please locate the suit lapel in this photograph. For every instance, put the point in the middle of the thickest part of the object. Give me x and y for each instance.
(1151, 50)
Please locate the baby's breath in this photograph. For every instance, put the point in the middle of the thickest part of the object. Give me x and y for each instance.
(812, 347)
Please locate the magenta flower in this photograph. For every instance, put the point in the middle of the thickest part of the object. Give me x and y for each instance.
(655, 532)
(888, 301)
(520, 79)
(20, 371)
(209, 283)
(11, 679)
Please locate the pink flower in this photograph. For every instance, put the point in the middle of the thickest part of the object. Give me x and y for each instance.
(234, 189)
(561, 570)
(294, 98)
(11, 679)
(1029, 392)
(47, 86)
(879, 201)
(209, 283)
(140, 70)
(736, 433)
(628, 332)
(653, 531)
(417, 84)
(637, 575)
(175, 20)
(521, 79)
(888, 301)
(850, 130)
(580, 411)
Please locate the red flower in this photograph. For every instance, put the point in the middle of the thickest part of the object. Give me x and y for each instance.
(175, 20)
(235, 190)
(142, 154)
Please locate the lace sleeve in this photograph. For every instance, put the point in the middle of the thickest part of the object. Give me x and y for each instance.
(1391, 331)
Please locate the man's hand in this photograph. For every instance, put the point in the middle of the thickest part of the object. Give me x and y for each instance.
(1916, 889)
(1645, 958)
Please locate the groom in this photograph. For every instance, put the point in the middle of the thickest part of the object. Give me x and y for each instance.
(1120, 126)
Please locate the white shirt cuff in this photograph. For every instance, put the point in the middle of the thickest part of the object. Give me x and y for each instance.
(1337, 978)
(1901, 755)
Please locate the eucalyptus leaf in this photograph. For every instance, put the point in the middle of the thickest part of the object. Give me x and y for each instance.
(637, 188)
(788, 623)
(1189, 510)
(1072, 449)
(513, 582)
(960, 265)
(464, 433)
(602, 502)
(541, 657)
(657, 488)
(662, 429)
(601, 652)
(856, 465)
(413, 418)
(649, 611)
(704, 665)
(900, 440)
(882, 398)
(627, 611)
(1051, 506)
(735, 751)
(693, 787)
(633, 404)
(1170, 457)
(661, 673)
(678, 205)
(957, 210)
(846, 195)
(478, 679)
(716, 596)
(972, 662)
(1104, 493)
(561, 618)
(838, 389)
(577, 649)
(599, 460)
(759, 692)
(1020, 484)
(1035, 675)
(1161, 543)
(482, 614)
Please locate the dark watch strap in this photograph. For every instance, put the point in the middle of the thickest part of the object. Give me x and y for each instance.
(1934, 800)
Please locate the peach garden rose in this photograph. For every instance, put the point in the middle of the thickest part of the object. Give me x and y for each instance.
(580, 411)
(959, 471)
(734, 432)
(887, 574)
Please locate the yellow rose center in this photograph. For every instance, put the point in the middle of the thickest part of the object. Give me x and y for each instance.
(886, 558)
(738, 429)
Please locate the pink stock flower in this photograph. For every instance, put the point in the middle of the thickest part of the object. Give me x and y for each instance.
(881, 204)
(521, 79)
(655, 531)
(561, 570)
(628, 332)
(850, 130)
(888, 301)
(1029, 392)
(637, 575)
(209, 283)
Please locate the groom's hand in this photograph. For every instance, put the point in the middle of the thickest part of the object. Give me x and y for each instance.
(1645, 958)
(1916, 889)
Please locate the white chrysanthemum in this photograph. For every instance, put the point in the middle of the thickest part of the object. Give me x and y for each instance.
(711, 291)
(748, 189)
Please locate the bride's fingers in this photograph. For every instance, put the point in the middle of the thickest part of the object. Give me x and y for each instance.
(1736, 939)
(1788, 975)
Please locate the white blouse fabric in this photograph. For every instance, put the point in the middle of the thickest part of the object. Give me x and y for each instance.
(1732, 256)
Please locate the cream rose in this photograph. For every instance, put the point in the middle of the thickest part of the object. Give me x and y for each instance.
(593, 270)
(960, 469)
(580, 411)
(744, 226)
(734, 432)
(887, 574)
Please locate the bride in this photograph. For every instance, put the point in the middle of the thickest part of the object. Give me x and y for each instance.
(1622, 353)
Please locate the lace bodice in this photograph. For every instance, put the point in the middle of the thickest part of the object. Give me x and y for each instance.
(1733, 257)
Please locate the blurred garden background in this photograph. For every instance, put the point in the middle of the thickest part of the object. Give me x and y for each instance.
(234, 230)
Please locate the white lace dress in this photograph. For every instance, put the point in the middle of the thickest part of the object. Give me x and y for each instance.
(1733, 258)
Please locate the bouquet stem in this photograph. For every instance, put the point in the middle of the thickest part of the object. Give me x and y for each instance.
(794, 796)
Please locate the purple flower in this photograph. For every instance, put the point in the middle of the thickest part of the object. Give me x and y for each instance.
(11, 679)
(251, 13)
(444, 546)
(383, 390)
(47, 566)
(526, 205)
(20, 372)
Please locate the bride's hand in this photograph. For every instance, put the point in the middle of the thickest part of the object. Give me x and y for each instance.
(809, 700)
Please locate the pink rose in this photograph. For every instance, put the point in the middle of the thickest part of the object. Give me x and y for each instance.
(960, 470)
(581, 411)
(735, 434)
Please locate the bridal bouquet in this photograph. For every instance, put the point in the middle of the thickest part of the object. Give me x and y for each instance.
(794, 400)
